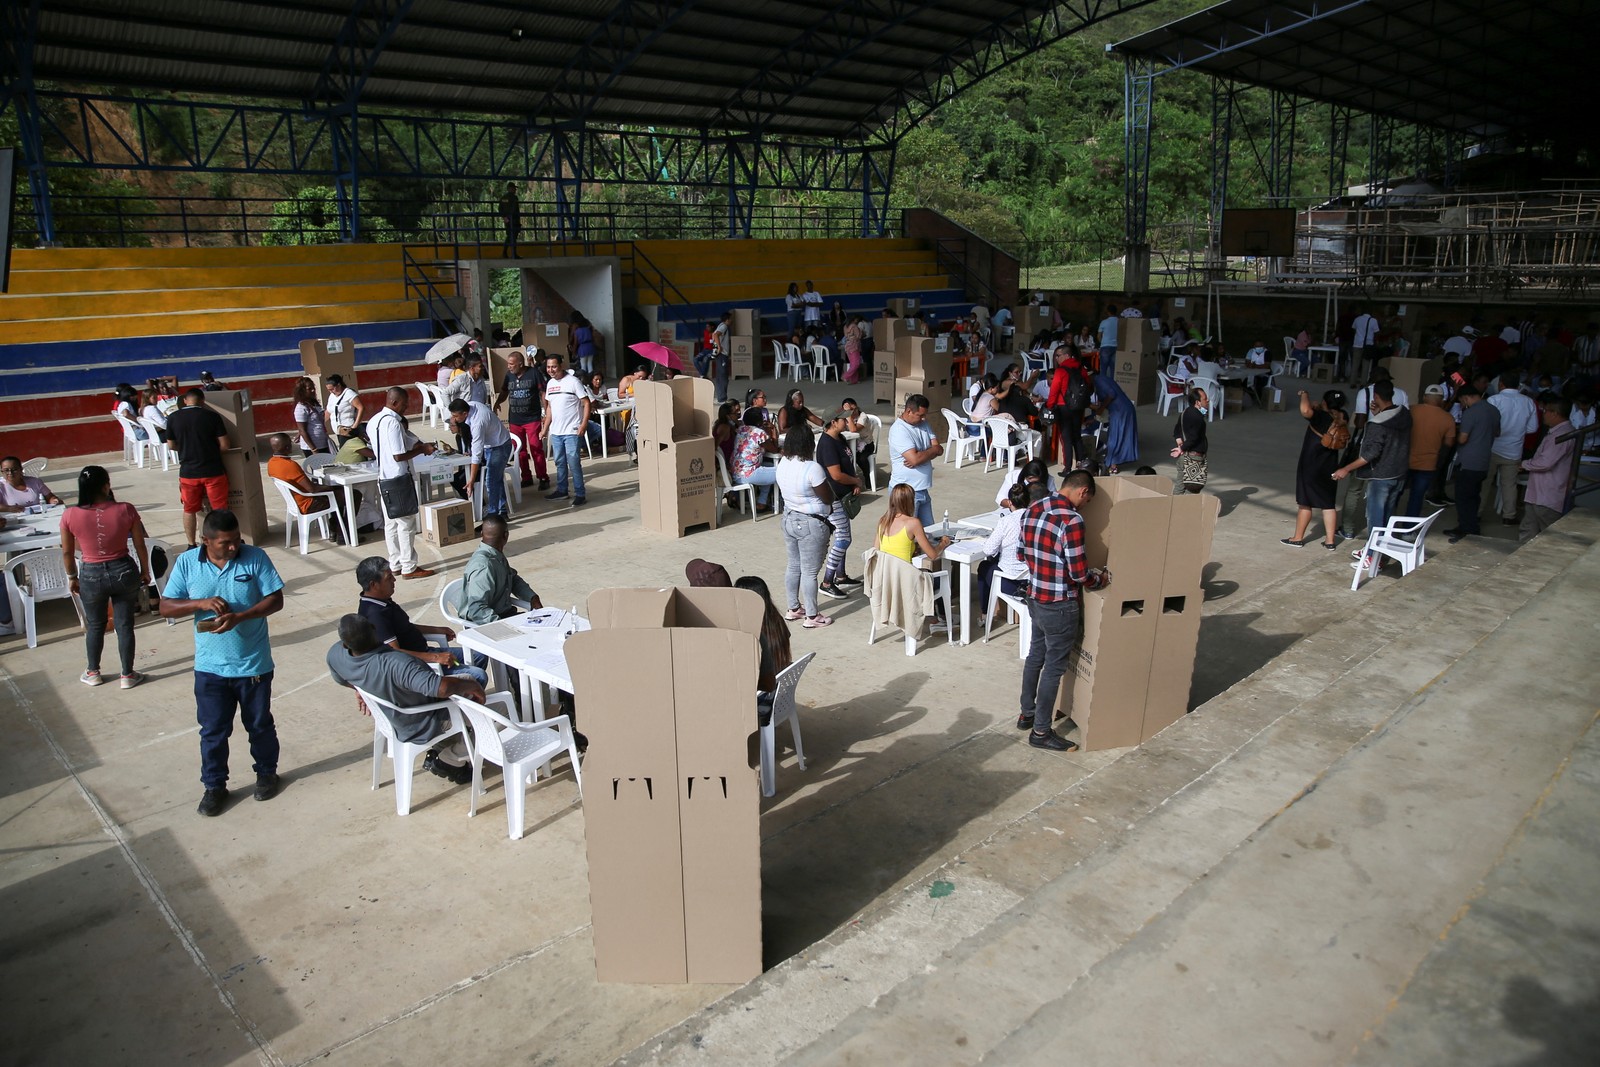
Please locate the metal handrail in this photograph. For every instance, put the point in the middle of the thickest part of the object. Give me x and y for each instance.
(427, 292)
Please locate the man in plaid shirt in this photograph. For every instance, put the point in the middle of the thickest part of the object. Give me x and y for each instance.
(1052, 546)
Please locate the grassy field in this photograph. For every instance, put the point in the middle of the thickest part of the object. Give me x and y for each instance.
(1105, 275)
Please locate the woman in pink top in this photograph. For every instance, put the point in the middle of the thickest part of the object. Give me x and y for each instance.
(97, 530)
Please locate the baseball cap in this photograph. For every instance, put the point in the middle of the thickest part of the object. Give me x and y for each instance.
(1469, 331)
(1434, 390)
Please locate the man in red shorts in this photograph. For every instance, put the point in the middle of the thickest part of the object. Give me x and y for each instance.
(198, 435)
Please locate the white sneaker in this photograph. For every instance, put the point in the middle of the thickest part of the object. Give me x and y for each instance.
(7, 629)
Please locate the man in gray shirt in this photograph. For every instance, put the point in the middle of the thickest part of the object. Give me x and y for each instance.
(490, 581)
(359, 660)
(1480, 425)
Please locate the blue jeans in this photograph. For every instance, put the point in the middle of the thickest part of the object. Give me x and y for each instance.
(806, 537)
(925, 508)
(1108, 357)
(117, 582)
(564, 451)
(702, 362)
(1055, 634)
(763, 478)
(215, 699)
(494, 465)
(1417, 482)
(1381, 496)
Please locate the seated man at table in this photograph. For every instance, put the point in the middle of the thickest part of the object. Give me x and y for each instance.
(283, 466)
(490, 581)
(395, 627)
(18, 490)
(361, 661)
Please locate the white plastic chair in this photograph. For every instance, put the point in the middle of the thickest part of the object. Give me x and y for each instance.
(870, 464)
(726, 485)
(171, 553)
(960, 447)
(47, 580)
(1213, 393)
(780, 358)
(1402, 540)
(133, 446)
(154, 442)
(998, 431)
(796, 361)
(1166, 398)
(784, 709)
(821, 366)
(941, 595)
(520, 749)
(448, 596)
(1014, 607)
(34, 467)
(404, 753)
(432, 409)
(327, 506)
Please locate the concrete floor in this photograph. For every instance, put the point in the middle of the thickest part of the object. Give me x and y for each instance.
(322, 926)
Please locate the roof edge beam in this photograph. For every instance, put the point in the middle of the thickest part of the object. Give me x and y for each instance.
(367, 30)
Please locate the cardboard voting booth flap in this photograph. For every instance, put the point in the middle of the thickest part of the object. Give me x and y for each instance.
(324, 356)
(677, 484)
(1105, 689)
(745, 322)
(1177, 637)
(246, 499)
(1413, 375)
(677, 409)
(915, 357)
(1125, 529)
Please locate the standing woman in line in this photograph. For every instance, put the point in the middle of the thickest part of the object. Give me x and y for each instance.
(1191, 446)
(807, 500)
(98, 528)
(794, 306)
(309, 416)
(582, 345)
(835, 459)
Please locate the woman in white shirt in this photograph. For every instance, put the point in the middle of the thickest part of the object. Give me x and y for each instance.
(344, 412)
(1001, 547)
(151, 413)
(807, 499)
(308, 415)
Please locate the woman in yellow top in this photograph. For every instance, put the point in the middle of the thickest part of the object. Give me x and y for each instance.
(900, 532)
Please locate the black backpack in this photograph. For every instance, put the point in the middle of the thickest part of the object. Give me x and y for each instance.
(1077, 389)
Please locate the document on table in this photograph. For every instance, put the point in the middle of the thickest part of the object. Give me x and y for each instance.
(498, 631)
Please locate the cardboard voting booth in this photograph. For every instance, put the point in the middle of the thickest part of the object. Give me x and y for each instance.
(741, 356)
(671, 801)
(1413, 375)
(905, 307)
(320, 358)
(242, 462)
(677, 458)
(745, 322)
(548, 337)
(1138, 359)
(1129, 678)
(920, 368)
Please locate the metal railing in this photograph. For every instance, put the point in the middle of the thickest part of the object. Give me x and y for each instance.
(122, 221)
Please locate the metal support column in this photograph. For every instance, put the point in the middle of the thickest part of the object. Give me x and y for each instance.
(19, 21)
(342, 133)
(569, 144)
(1138, 94)
(877, 179)
(1284, 114)
(744, 167)
(1452, 158)
(1338, 149)
(1382, 157)
(1222, 109)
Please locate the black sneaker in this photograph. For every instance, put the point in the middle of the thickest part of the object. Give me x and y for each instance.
(213, 802)
(544, 483)
(266, 786)
(1051, 740)
(831, 591)
(1024, 722)
(580, 741)
(845, 579)
(459, 775)
(1456, 535)
(579, 501)
(555, 496)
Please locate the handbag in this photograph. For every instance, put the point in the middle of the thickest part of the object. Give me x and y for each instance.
(1192, 468)
(852, 505)
(399, 496)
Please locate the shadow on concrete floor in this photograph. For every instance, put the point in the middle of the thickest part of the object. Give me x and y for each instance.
(1230, 650)
(868, 836)
(1569, 1032)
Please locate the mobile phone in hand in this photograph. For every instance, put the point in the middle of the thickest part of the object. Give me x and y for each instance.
(206, 626)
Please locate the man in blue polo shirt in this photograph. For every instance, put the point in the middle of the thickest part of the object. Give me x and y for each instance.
(230, 588)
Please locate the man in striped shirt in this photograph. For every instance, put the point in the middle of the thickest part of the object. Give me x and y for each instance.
(1052, 546)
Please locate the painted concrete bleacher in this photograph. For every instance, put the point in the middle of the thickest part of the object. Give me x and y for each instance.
(78, 321)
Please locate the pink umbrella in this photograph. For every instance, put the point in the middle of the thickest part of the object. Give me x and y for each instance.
(658, 353)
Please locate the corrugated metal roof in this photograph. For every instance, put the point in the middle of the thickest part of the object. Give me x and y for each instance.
(784, 66)
(1481, 66)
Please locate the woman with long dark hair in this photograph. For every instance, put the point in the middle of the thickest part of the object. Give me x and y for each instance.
(795, 413)
(773, 639)
(98, 530)
(807, 499)
(309, 416)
